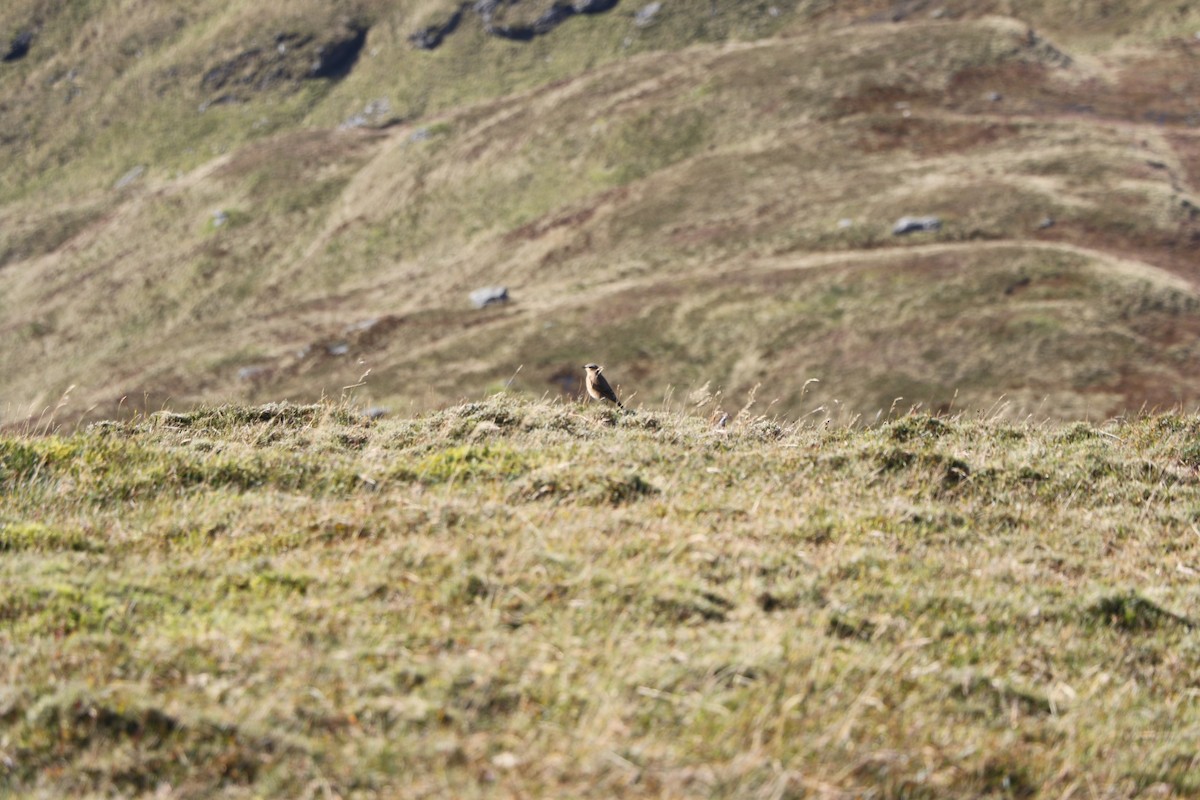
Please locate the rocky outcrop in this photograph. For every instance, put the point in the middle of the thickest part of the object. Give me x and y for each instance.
(432, 36)
(1044, 52)
(492, 12)
(335, 58)
(19, 47)
(288, 58)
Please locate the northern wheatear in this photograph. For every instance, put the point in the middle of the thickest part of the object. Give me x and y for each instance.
(597, 386)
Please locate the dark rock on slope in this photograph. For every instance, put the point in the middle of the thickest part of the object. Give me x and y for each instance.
(19, 47)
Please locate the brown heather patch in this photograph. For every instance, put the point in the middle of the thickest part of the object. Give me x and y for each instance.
(1164, 88)
(539, 228)
(929, 137)
(1186, 147)
(886, 98)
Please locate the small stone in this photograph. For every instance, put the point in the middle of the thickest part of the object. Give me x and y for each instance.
(995, 97)
(252, 373)
(906, 225)
(505, 760)
(130, 177)
(377, 111)
(361, 327)
(845, 222)
(219, 218)
(379, 107)
(489, 295)
(339, 349)
(1047, 222)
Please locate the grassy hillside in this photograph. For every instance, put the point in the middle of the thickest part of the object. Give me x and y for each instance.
(509, 599)
(193, 211)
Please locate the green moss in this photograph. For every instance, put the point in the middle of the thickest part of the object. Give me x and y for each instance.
(470, 462)
(16, 536)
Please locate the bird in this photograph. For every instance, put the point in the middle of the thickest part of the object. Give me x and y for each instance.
(597, 386)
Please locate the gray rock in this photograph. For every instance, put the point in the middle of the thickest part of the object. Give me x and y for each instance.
(223, 100)
(339, 349)
(1047, 222)
(593, 6)
(338, 56)
(492, 13)
(485, 9)
(252, 373)
(906, 225)
(646, 14)
(489, 295)
(361, 327)
(19, 47)
(376, 112)
(431, 37)
(130, 177)
(219, 218)
(552, 18)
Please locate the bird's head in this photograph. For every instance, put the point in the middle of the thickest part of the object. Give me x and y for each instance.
(592, 367)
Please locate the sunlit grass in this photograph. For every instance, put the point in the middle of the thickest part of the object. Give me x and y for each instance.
(514, 597)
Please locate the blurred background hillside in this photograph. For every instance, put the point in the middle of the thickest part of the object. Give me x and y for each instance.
(236, 201)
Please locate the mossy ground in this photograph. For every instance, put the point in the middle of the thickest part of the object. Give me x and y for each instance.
(514, 598)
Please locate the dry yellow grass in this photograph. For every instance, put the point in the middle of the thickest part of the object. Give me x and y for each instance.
(542, 600)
